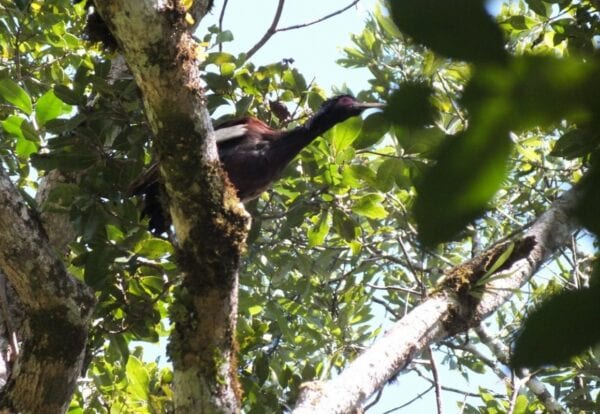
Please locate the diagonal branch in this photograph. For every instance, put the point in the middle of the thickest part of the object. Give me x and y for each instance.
(270, 31)
(273, 28)
(322, 19)
(445, 313)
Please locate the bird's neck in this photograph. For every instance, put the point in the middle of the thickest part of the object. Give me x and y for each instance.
(292, 142)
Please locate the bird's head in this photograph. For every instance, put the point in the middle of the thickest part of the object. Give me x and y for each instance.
(342, 107)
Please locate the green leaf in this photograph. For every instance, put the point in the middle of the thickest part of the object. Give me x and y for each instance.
(224, 36)
(535, 91)
(20, 128)
(389, 172)
(138, 379)
(65, 161)
(242, 106)
(154, 248)
(25, 148)
(318, 232)
(562, 327)
(537, 6)
(49, 107)
(456, 190)
(460, 29)
(423, 141)
(344, 225)
(370, 206)
(576, 143)
(589, 203)
(67, 95)
(497, 264)
(374, 127)
(15, 95)
(343, 135)
(410, 106)
(227, 69)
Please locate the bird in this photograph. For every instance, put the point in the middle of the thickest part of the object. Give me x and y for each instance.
(252, 154)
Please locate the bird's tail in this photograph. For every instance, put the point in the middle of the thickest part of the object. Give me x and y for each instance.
(148, 186)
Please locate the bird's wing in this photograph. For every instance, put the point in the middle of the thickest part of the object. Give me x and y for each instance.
(227, 133)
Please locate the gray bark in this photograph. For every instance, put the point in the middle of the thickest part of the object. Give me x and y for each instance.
(444, 313)
(56, 311)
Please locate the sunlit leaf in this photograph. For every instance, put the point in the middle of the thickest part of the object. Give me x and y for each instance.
(138, 380)
(370, 206)
(14, 94)
(49, 107)
(318, 232)
(343, 135)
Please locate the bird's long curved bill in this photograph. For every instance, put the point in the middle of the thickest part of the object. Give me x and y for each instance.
(367, 105)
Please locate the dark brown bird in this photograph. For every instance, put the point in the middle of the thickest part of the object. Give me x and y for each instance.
(253, 154)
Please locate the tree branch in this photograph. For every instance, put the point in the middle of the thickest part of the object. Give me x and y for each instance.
(273, 28)
(451, 310)
(322, 19)
(57, 311)
(270, 31)
(221, 17)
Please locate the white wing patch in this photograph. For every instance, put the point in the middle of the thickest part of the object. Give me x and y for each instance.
(225, 134)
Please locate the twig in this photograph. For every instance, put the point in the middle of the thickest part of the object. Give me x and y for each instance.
(436, 381)
(330, 15)
(409, 402)
(270, 31)
(273, 28)
(375, 401)
(398, 288)
(221, 17)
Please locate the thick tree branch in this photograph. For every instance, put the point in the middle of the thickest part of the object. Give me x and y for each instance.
(456, 307)
(210, 223)
(57, 311)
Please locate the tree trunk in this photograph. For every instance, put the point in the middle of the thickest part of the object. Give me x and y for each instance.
(210, 223)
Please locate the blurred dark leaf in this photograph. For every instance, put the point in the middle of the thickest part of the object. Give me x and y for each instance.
(537, 6)
(534, 91)
(410, 106)
(456, 190)
(589, 204)
(459, 29)
(562, 327)
(68, 95)
(576, 143)
(65, 161)
(373, 129)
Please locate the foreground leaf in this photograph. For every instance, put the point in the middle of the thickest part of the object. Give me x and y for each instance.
(561, 328)
(460, 29)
